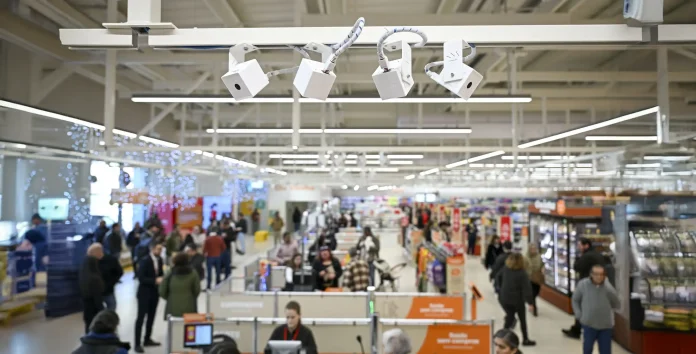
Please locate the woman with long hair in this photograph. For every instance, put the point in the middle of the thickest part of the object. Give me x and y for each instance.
(293, 265)
(495, 248)
(506, 341)
(327, 269)
(535, 271)
(515, 290)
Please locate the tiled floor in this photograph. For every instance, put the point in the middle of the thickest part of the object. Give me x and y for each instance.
(33, 334)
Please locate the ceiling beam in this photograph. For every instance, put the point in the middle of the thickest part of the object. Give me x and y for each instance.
(224, 11)
(443, 19)
(358, 149)
(50, 82)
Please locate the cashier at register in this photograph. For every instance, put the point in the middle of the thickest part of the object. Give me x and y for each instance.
(294, 330)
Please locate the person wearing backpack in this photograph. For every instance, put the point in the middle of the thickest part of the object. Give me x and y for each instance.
(180, 288)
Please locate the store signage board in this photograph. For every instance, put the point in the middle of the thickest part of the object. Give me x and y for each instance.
(436, 308)
(455, 276)
(505, 228)
(457, 338)
(457, 226)
(545, 207)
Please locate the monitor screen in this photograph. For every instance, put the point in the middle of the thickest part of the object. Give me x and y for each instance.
(54, 209)
(198, 335)
(284, 346)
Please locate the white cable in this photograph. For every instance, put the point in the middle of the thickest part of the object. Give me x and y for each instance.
(289, 70)
(383, 60)
(355, 27)
(355, 32)
(433, 75)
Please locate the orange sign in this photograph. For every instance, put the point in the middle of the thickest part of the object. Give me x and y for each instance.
(197, 317)
(455, 276)
(436, 308)
(457, 339)
(130, 196)
(560, 207)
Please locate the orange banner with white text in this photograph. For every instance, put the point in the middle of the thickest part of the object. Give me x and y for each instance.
(448, 338)
(436, 308)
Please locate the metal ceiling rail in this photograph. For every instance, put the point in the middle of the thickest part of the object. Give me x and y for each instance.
(358, 149)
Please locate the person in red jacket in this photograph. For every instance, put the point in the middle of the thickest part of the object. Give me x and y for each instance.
(213, 248)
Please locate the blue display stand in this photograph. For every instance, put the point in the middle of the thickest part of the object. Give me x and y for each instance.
(65, 253)
(21, 269)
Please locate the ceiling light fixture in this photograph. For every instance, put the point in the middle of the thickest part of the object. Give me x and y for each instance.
(621, 138)
(537, 157)
(338, 131)
(476, 158)
(430, 171)
(643, 165)
(160, 142)
(273, 170)
(590, 127)
(410, 177)
(356, 187)
(667, 158)
(225, 99)
(371, 188)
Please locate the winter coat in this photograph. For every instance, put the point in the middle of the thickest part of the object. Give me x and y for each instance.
(111, 272)
(94, 343)
(515, 287)
(180, 288)
(91, 281)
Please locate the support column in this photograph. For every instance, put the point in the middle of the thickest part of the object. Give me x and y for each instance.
(216, 109)
(110, 80)
(512, 90)
(14, 178)
(18, 73)
(663, 95)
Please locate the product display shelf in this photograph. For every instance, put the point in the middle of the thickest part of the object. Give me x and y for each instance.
(664, 254)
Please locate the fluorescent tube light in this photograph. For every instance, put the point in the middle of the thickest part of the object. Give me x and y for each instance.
(588, 128)
(678, 173)
(621, 138)
(273, 170)
(339, 131)
(20, 146)
(430, 171)
(154, 141)
(643, 165)
(293, 156)
(300, 162)
(352, 169)
(225, 99)
(410, 177)
(48, 114)
(476, 158)
(128, 135)
(356, 187)
(371, 188)
(537, 157)
(667, 158)
(401, 162)
(416, 157)
(344, 187)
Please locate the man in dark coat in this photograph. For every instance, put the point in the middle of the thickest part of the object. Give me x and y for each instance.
(150, 275)
(111, 271)
(91, 284)
(500, 264)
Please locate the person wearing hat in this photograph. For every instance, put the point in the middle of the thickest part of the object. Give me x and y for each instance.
(102, 337)
(327, 268)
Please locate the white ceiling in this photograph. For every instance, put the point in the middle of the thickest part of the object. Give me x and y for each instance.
(580, 84)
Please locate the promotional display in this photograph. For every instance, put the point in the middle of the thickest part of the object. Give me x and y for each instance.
(505, 228)
(189, 215)
(457, 237)
(455, 276)
(214, 207)
(435, 308)
(447, 338)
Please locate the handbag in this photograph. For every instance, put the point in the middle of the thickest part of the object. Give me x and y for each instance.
(537, 277)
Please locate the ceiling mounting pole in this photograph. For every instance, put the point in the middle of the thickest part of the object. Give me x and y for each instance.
(663, 95)
(110, 80)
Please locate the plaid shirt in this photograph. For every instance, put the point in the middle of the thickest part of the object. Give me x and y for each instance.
(356, 275)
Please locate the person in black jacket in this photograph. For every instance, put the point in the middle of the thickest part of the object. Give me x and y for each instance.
(91, 284)
(102, 336)
(111, 272)
(495, 249)
(294, 330)
(100, 232)
(515, 290)
(132, 241)
(150, 275)
(583, 266)
(499, 264)
(327, 269)
(196, 259)
(297, 219)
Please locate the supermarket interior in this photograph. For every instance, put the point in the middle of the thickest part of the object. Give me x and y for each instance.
(158, 196)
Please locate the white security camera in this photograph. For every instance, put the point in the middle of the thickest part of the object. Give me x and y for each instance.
(457, 77)
(394, 78)
(315, 79)
(245, 79)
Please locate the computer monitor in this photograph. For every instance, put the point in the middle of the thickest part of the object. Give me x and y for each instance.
(285, 346)
(198, 335)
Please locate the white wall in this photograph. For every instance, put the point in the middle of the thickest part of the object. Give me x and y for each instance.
(278, 195)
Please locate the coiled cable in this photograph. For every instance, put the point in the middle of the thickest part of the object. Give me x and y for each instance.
(433, 75)
(289, 70)
(382, 58)
(355, 32)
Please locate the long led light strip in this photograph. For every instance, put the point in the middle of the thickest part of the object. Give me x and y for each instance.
(621, 138)
(591, 127)
(349, 156)
(476, 158)
(352, 169)
(217, 99)
(537, 157)
(84, 123)
(339, 131)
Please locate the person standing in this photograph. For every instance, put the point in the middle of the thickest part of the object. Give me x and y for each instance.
(356, 276)
(594, 303)
(255, 221)
(582, 266)
(515, 290)
(100, 232)
(213, 250)
(296, 219)
(132, 242)
(242, 231)
(111, 272)
(198, 237)
(196, 259)
(277, 225)
(535, 271)
(495, 249)
(286, 250)
(174, 240)
(472, 232)
(327, 269)
(91, 284)
(180, 288)
(229, 235)
(113, 241)
(499, 264)
(150, 273)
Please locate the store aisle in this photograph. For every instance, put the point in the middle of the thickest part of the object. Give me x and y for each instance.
(33, 333)
(545, 329)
